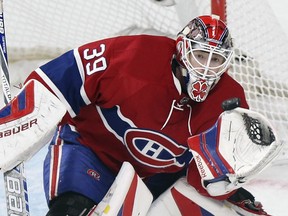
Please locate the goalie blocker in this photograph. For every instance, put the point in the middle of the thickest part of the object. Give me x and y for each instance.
(27, 123)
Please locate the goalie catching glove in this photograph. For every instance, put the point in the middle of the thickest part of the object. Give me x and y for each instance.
(239, 146)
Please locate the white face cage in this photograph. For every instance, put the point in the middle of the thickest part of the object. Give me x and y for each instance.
(204, 64)
(203, 61)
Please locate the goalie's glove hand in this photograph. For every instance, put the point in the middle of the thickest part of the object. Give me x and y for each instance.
(243, 202)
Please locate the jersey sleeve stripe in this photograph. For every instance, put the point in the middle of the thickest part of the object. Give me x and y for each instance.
(82, 75)
(56, 91)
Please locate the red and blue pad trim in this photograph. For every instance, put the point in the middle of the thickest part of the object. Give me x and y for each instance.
(20, 106)
(207, 145)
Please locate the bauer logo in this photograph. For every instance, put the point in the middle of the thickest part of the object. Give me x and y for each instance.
(18, 128)
(17, 204)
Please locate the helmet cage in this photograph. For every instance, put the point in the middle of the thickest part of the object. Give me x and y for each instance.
(206, 70)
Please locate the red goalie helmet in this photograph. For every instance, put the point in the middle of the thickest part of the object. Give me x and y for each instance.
(204, 50)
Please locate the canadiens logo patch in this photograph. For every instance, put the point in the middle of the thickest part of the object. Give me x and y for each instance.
(156, 150)
(93, 174)
(150, 148)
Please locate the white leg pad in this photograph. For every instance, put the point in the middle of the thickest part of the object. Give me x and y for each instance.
(128, 195)
(182, 199)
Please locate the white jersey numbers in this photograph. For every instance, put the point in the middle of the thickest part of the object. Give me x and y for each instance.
(98, 62)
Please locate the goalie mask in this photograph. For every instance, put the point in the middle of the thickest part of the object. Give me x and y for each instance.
(204, 50)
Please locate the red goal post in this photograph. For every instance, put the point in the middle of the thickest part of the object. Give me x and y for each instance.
(219, 8)
(41, 30)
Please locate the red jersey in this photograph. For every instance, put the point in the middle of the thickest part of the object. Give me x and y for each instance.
(125, 102)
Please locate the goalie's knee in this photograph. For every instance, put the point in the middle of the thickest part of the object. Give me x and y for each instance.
(70, 203)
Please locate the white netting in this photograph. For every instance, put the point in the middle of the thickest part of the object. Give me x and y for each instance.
(43, 29)
(261, 65)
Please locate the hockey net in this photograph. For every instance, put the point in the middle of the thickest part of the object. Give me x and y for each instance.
(37, 31)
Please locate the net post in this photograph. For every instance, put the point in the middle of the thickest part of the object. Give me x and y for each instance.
(219, 8)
